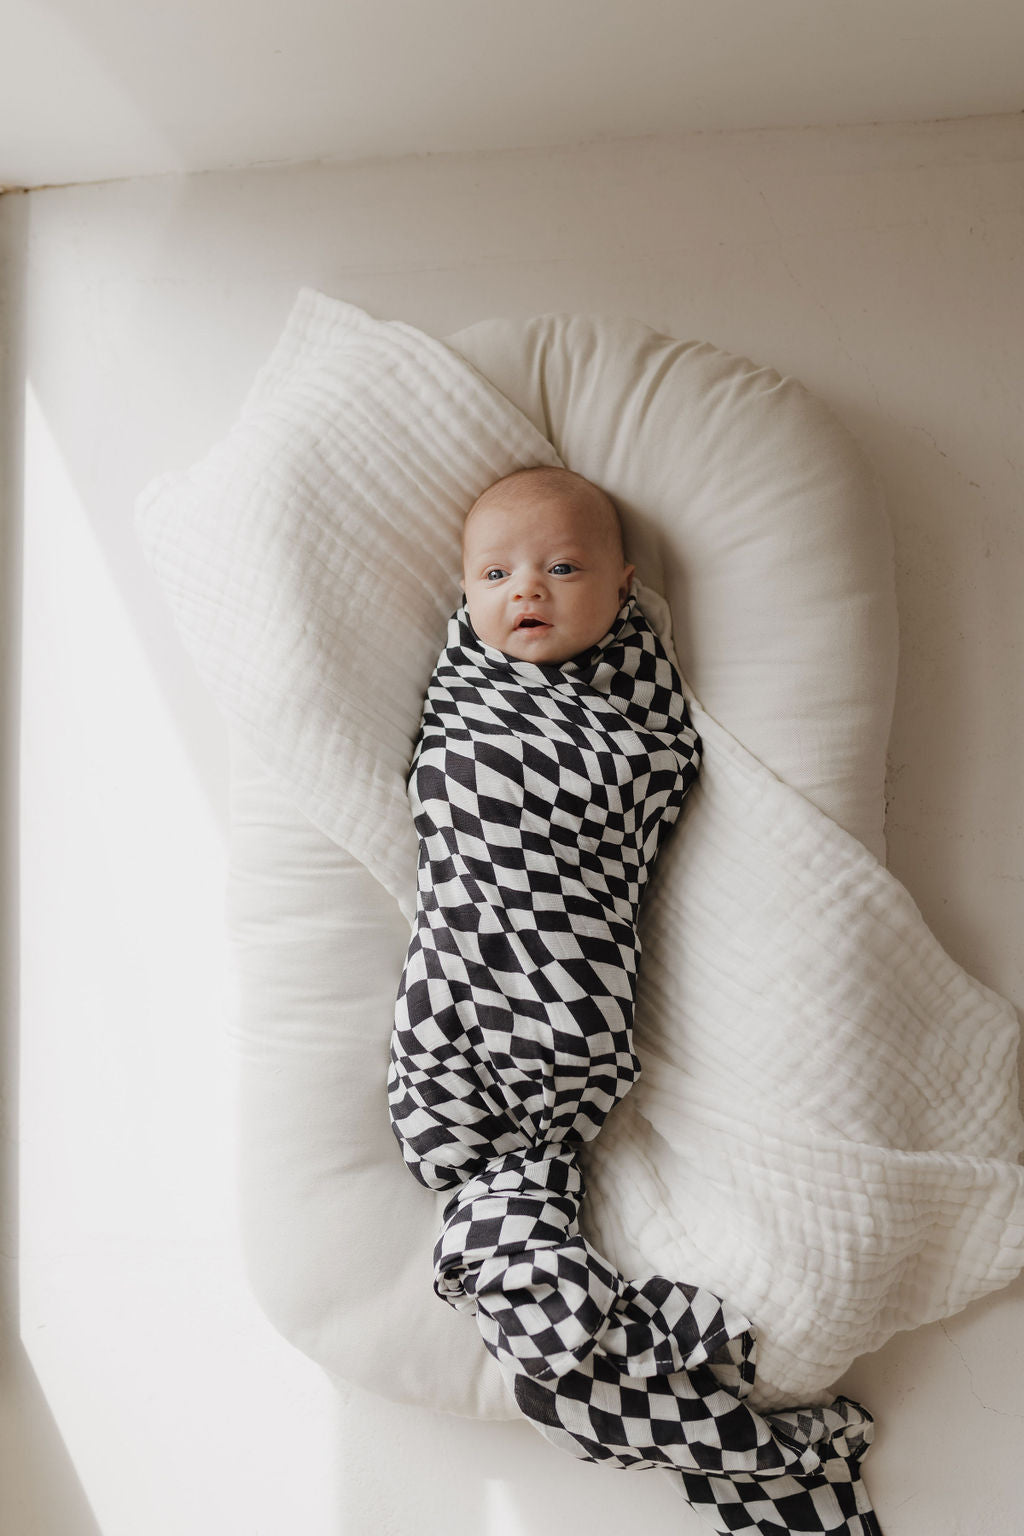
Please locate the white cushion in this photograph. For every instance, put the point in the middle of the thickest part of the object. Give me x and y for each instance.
(750, 507)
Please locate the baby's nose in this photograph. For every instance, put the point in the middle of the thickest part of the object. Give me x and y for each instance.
(529, 586)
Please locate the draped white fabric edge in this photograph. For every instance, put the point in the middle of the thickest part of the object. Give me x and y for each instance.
(826, 1131)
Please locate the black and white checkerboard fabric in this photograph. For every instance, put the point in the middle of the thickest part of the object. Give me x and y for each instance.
(540, 795)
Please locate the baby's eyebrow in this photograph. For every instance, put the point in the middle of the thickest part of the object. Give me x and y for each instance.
(561, 552)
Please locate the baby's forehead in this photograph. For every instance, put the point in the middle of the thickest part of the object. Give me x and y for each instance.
(572, 510)
(500, 512)
(498, 533)
(505, 509)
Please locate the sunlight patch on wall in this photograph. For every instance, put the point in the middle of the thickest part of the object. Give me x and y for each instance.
(134, 1310)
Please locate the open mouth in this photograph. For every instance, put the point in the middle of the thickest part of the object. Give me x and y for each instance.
(532, 624)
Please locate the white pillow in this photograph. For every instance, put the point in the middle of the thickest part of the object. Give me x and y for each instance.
(750, 507)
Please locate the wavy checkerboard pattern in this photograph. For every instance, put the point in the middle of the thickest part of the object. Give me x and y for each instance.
(541, 795)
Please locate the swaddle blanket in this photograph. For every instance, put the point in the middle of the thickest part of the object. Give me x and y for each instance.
(540, 795)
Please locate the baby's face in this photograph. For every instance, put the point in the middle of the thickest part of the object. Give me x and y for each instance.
(547, 556)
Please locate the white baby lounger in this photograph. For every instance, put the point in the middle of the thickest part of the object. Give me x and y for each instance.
(826, 1128)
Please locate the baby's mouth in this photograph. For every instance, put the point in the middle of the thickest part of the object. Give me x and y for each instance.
(532, 624)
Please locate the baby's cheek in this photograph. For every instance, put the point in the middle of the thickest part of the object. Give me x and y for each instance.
(485, 623)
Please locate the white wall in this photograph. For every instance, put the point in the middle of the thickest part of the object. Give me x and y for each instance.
(879, 265)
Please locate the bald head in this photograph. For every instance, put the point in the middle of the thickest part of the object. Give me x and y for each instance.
(524, 486)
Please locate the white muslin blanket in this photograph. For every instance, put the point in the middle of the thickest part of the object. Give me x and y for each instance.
(826, 1130)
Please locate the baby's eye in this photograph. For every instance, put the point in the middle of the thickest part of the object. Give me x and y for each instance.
(495, 570)
(561, 565)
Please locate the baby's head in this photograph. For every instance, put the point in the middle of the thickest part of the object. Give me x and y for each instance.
(545, 545)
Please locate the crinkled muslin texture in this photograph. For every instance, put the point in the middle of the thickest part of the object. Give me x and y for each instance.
(825, 1131)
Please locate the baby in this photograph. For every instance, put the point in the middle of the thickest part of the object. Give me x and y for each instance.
(542, 565)
(554, 752)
